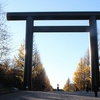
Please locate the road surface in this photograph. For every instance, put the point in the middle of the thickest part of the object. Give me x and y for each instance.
(33, 95)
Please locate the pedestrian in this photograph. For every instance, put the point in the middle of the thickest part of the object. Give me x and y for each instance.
(87, 88)
(95, 90)
(43, 87)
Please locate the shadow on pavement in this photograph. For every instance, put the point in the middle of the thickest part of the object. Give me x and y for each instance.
(81, 93)
(39, 95)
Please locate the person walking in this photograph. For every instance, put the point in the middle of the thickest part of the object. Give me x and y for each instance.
(87, 88)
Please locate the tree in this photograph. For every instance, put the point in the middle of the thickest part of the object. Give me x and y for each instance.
(67, 85)
(82, 74)
(87, 68)
(19, 60)
(5, 42)
(39, 77)
(8, 75)
(79, 75)
(5, 37)
(87, 58)
(87, 75)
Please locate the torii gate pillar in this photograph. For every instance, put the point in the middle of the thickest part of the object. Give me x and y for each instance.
(28, 55)
(94, 53)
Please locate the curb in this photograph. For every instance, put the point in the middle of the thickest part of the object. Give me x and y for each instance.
(9, 92)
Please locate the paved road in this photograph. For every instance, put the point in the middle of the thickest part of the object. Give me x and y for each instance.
(32, 95)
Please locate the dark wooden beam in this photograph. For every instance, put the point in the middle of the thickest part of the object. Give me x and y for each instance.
(61, 29)
(52, 15)
(94, 54)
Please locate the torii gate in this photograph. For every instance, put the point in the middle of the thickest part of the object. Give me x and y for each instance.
(30, 28)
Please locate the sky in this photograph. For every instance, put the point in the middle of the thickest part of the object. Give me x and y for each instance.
(60, 52)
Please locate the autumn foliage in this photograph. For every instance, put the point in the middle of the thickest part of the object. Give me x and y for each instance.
(81, 76)
(39, 77)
